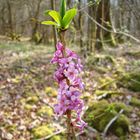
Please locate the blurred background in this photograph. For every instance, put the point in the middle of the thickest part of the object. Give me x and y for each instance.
(20, 18)
(105, 34)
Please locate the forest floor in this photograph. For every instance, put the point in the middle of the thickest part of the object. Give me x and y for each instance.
(28, 91)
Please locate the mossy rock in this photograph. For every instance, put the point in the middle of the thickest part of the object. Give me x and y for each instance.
(42, 131)
(50, 91)
(119, 105)
(131, 81)
(135, 102)
(45, 110)
(99, 114)
(121, 126)
(120, 133)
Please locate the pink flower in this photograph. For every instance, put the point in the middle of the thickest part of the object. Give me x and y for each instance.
(70, 84)
(71, 72)
(71, 54)
(59, 46)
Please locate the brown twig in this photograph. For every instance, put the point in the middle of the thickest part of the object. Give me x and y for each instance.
(120, 32)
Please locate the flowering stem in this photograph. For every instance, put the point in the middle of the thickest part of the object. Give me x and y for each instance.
(71, 133)
(70, 129)
(62, 39)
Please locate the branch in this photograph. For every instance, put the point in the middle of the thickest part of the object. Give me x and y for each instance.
(111, 31)
(91, 129)
(89, 4)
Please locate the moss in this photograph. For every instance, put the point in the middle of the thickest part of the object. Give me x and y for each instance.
(28, 107)
(131, 81)
(32, 99)
(99, 60)
(50, 91)
(136, 63)
(56, 138)
(42, 131)
(99, 114)
(0, 94)
(119, 105)
(22, 100)
(135, 102)
(133, 53)
(120, 133)
(101, 69)
(86, 96)
(107, 83)
(45, 110)
(121, 123)
(108, 93)
(11, 128)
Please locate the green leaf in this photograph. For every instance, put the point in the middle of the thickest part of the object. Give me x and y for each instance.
(46, 12)
(55, 15)
(63, 8)
(49, 23)
(68, 17)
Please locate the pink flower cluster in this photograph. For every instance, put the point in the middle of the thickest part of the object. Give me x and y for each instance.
(70, 84)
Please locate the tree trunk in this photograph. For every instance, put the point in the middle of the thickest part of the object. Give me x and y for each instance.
(107, 36)
(2, 31)
(103, 18)
(80, 30)
(35, 36)
(91, 29)
(98, 43)
(10, 23)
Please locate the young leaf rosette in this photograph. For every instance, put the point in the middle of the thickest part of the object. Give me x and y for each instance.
(61, 19)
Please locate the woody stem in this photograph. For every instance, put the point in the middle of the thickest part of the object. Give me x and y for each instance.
(70, 129)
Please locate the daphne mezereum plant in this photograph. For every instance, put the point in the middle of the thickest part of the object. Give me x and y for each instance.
(67, 73)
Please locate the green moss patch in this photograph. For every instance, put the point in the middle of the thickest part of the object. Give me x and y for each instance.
(135, 102)
(100, 113)
(32, 99)
(50, 91)
(45, 110)
(131, 81)
(42, 131)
